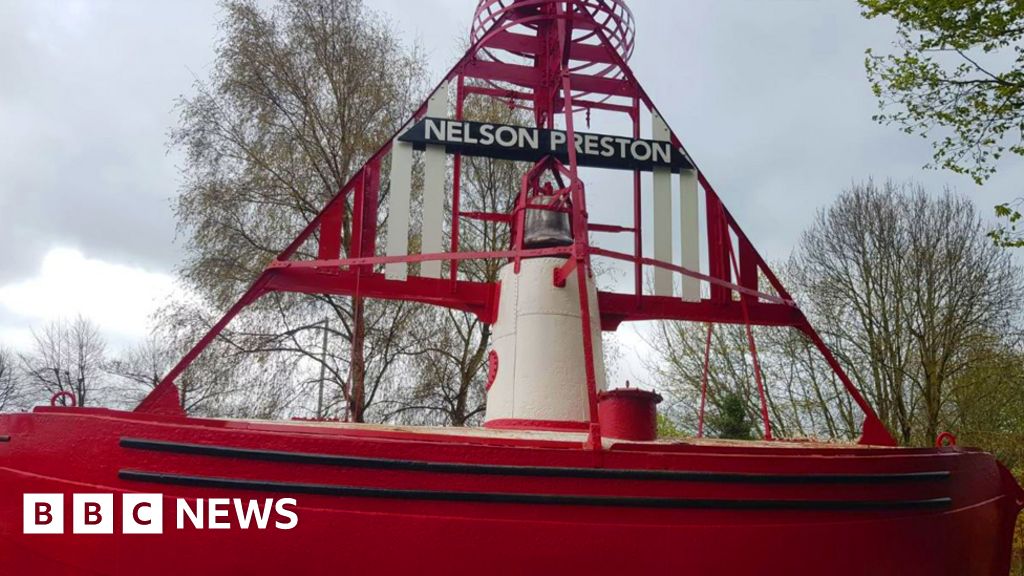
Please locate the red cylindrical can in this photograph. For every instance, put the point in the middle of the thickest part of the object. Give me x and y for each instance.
(629, 414)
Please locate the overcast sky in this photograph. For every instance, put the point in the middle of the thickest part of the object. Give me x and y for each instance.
(769, 96)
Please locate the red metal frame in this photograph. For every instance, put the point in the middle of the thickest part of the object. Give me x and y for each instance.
(578, 50)
(584, 506)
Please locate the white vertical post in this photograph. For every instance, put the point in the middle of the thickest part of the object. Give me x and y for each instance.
(436, 162)
(398, 209)
(662, 213)
(689, 232)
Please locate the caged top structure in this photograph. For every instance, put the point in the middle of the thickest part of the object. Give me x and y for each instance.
(566, 475)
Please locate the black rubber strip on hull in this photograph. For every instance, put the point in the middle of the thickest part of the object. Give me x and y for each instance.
(5, 438)
(541, 499)
(538, 471)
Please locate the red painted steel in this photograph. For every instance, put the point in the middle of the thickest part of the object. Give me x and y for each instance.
(492, 368)
(406, 517)
(629, 414)
(761, 393)
(523, 496)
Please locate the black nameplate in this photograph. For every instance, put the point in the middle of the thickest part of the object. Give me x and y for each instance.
(531, 144)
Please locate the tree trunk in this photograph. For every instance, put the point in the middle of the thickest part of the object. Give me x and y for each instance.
(357, 377)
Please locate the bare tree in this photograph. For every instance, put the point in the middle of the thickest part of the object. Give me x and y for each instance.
(11, 385)
(904, 285)
(804, 398)
(138, 369)
(68, 356)
(144, 364)
(300, 95)
(443, 380)
(910, 296)
(227, 379)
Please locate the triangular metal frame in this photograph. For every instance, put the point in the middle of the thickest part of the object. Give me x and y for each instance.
(600, 80)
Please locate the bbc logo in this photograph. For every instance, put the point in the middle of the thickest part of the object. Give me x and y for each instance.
(93, 514)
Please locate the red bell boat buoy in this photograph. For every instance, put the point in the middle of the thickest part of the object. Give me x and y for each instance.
(566, 476)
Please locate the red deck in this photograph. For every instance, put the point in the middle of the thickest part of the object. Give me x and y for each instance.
(373, 499)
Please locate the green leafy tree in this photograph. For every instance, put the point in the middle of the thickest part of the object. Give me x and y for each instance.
(668, 428)
(956, 77)
(731, 420)
(989, 411)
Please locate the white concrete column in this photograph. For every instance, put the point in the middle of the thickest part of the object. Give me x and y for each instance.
(398, 209)
(689, 231)
(435, 169)
(662, 213)
(538, 339)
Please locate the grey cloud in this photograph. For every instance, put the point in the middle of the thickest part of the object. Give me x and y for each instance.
(85, 106)
(770, 97)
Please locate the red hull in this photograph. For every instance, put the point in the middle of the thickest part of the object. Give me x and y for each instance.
(373, 500)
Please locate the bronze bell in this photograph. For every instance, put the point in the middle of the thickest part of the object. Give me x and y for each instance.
(546, 229)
